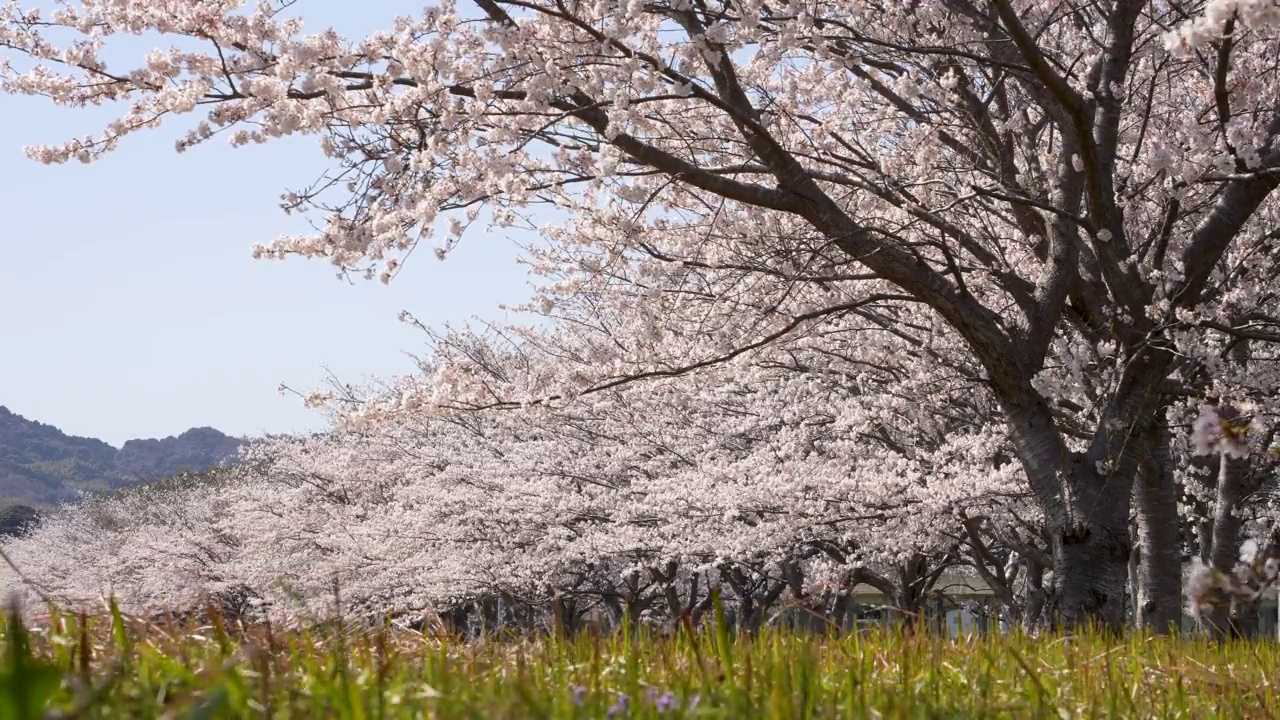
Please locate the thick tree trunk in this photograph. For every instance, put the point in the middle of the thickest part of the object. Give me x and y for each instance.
(1091, 568)
(1158, 603)
(1087, 511)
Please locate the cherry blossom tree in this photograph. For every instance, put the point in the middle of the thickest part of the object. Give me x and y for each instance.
(159, 547)
(1058, 188)
(1231, 466)
(783, 492)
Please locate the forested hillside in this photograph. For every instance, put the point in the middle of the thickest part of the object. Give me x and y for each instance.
(41, 465)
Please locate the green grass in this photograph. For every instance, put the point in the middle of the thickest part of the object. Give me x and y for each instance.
(119, 667)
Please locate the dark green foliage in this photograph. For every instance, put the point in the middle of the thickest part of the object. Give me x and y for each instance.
(42, 466)
(27, 682)
(17, 520)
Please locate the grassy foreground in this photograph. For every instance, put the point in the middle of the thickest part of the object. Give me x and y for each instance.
(116, 667)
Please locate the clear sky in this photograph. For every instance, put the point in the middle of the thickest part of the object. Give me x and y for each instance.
(129, 303)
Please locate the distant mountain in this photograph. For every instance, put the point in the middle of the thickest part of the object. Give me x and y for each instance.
(41, 465)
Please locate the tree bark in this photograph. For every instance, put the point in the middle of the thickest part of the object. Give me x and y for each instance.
(1087, 512)
(1036, 598)
(1225, 550)
(1091, 570)
(1158, 602)
(1245, 619)
(1135, 589)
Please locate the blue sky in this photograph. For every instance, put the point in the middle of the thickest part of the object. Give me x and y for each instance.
(130, 306)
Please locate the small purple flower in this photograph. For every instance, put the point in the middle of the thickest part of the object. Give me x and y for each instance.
(693, 701)
(619, 708)
(667, 702)
(579, 695)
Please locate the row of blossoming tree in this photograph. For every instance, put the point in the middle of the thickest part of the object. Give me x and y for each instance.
(835, 289)
(783, 484)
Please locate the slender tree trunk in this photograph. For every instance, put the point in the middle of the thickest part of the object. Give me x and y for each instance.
(1158, 603)
(616, 614)
(991, 569)
(842, 609)
(1225, 550)
(1245, 619)
(1204, 469)
(1033, 606)
(1135, 589)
